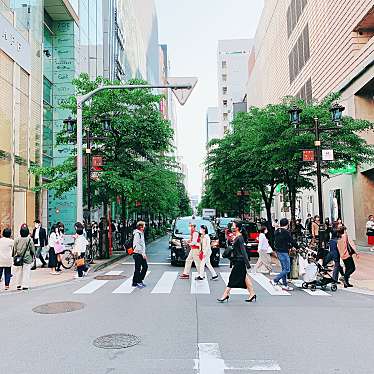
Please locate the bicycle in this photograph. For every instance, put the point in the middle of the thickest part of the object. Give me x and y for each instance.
(91, 252)
(67, 259)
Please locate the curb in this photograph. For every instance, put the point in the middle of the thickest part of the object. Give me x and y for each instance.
(110, 261)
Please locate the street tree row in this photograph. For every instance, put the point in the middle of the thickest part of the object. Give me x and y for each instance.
(263, 151)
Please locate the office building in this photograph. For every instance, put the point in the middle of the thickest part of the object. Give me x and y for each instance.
(232, 59)
(214, 128)
(309, 48)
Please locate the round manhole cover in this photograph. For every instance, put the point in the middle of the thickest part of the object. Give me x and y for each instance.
(110, 277)
(58, 307)
(116, 341)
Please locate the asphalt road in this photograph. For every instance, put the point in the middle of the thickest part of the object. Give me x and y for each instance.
(184, 329)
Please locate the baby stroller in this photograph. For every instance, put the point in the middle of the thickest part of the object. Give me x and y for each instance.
(318, 276)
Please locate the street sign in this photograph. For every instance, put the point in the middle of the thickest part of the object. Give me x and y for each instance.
(182, 94)
(97, 163)
(242, 193)
(95, 175)
(327, 155)
(308, 155)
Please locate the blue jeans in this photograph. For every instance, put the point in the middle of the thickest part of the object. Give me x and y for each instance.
(284, 260)
(7, 274)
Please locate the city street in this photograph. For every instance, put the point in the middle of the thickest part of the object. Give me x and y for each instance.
(182, 328)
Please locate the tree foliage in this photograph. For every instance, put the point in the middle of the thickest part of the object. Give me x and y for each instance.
(263, 150)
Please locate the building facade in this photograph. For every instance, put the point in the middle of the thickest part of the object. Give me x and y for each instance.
(232, 67)
(308, 49)
(213, 126)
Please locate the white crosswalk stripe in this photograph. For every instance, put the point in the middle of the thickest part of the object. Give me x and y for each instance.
(199, 286)
(95, 284)
(126, 287)
(265, 283)
(166, 282)
(235, 291)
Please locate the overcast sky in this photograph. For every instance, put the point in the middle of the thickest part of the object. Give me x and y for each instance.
(191, 29)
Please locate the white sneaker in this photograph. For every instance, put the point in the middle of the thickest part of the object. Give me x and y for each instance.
(86, 272)
(274, 284)
(76, 276)
(287, 288)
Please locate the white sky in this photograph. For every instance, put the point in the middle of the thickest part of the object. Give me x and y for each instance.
(191, 29)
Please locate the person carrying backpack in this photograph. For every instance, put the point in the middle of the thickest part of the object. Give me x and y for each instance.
(139, 255)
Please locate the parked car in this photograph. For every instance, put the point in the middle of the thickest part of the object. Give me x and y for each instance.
(252, 237)
(180, 234)
(222, 224)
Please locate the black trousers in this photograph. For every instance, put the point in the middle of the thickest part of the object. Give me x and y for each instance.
(7, 274)
(141, 268)
(350, 268)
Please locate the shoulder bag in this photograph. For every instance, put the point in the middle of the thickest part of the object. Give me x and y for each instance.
(18, 259)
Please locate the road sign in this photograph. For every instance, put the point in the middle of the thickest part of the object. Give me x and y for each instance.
(327, 155)
(242, 193)
(97, 163)
(182, 94)
(308, 155)
(95, 175)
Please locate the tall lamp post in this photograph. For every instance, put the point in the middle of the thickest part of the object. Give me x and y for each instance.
(336, 116)
(182, 88)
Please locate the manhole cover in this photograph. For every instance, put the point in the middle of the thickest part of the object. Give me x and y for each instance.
(116, 341)
(58, 307)
(110, 277)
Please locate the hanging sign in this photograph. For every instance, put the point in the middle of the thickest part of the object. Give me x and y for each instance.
(327, 155)
(308, 155)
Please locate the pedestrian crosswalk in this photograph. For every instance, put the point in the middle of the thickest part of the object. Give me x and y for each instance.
(167, 282)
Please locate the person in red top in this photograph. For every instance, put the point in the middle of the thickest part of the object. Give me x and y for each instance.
(193, 256)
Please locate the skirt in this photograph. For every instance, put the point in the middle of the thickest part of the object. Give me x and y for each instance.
(52, 258)
(370, 239)
(237, 275)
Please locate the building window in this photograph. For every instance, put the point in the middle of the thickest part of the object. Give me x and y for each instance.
(224, 64)
(299, 55)
(294, 12)
(225, 116)
(305, 92)
(224, 77)
(224, 90)
(225, 103)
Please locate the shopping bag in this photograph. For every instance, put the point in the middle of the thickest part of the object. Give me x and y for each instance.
(59, 248)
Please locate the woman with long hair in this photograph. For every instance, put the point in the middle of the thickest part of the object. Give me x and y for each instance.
(263, 264)
(52, 256)
(205, 253)
(238, 276)
(347, 249)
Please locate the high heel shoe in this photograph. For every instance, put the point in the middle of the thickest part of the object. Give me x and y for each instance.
(224, 299)
(253, 298)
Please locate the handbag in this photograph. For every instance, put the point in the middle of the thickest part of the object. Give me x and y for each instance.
(201, 255)
(79, 262)
(228, 252)
(18, 259)
(58, 248)
(351, 251)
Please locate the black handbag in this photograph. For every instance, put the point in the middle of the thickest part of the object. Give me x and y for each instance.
(228, 252)
(18, 259)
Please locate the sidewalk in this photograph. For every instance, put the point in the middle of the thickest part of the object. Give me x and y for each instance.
(42, 277)
(363, 277)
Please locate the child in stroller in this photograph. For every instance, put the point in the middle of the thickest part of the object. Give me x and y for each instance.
(318, 276)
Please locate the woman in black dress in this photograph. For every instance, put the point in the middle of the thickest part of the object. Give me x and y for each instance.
(239, 277)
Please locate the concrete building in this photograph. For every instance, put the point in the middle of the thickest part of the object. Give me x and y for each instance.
(214, 129)
(309, 48)
(232, 68)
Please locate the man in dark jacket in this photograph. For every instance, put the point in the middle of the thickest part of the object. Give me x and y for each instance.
(40, 239)
(283, 241)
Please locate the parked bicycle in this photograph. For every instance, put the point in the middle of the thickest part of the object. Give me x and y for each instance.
(67, 259)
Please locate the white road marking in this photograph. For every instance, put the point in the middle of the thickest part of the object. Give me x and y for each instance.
(317, 292)
(210, 361)
(199, 287)
(149, 263)
(361, 291)
(126, 287)
(235, 291)
(166, 282)
(91, 287)
(265, 283)
(114, 272)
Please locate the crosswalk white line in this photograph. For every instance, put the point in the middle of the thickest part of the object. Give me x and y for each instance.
(235, 291)
(298, 283)
(126, 287)
(166, 282)
(91, 287)
(264, 282)
(114, 272)
(199, 287)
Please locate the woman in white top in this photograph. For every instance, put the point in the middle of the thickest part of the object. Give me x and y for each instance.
(370, 231)
(206, 251)
(6, 259)
(263, 264)
(55, 241)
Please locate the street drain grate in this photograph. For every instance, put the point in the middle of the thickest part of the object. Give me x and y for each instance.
(116, 341)
(58, 307)
(110, 277)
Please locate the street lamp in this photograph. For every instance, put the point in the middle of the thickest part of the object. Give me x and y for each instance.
(336, 116)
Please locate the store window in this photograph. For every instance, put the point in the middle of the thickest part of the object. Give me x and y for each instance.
(336, 205)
